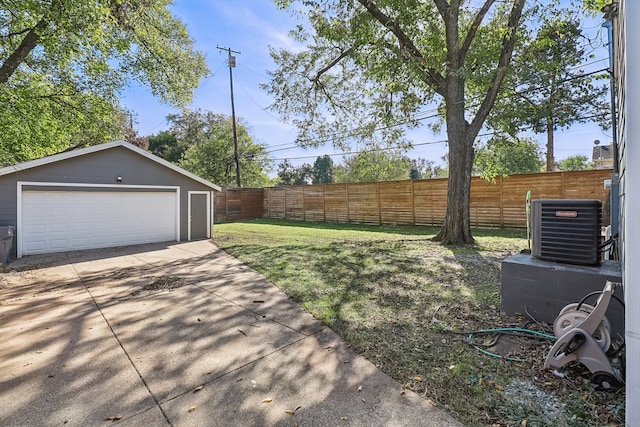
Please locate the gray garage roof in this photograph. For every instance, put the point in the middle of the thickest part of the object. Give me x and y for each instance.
(95, 148)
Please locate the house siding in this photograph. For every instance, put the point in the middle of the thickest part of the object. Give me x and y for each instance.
(101, 167)
(627, 68)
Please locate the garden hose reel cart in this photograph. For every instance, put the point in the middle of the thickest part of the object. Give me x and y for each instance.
(584, 336)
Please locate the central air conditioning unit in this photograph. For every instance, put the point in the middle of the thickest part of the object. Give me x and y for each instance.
(566, 230)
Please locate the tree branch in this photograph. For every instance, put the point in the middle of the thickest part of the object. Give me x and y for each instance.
(16, 33)
(332, 64)
(442, 6)
(527, 99)
(508, 44)
(471, 34)
(434, 79)
(29, 42)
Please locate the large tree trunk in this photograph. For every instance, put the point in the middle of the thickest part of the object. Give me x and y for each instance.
(456, 228)
(551, 164)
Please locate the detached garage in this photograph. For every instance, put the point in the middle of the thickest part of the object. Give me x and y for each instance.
(107, 195)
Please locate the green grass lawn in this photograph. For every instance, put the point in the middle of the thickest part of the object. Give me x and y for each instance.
(402, 301)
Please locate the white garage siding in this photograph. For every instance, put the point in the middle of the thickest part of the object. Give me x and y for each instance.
(59, 220)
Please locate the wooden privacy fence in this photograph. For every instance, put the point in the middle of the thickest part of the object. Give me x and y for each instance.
(410, 202)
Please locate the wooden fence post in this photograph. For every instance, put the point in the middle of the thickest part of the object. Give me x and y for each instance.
(413, 203)
(379, 204)
(346, 190)
(431, 204)
(324, 204)
(501, 203)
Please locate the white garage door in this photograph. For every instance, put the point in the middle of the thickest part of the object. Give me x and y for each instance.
(55, 221)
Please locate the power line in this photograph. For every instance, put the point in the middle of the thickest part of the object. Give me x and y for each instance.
(356, 132)
(347, 153)
(266, 110)
(588, 63)
(254, 71)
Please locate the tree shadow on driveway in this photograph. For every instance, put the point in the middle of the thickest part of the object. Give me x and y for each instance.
(95, 338)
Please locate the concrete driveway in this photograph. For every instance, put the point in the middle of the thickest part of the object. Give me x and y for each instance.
(178, 334)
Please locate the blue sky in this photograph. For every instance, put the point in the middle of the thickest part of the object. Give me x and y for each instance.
(251, 26)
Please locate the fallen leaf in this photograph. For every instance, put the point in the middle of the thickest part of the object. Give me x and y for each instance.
(192, 408)
(417, 378)
(480, 381)
(197, 389)
(267, 401)
(548, 383)
(362, 398)
(499, 387)
(344, 418)
(114, 418)
(347, 361)
(290, 411)
(523, 423)
(360, 388)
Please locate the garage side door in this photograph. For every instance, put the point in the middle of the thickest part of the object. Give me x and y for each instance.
(55, 221)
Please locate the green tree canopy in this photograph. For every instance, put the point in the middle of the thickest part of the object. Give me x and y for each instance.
(294, 175)
(370, 65)
(210, 152)
(575, 163)
(508, 156)
(595, 6)
(323, 170)
(64, 63)
(546, 89)
(166, 145)
(421, 168)
(372, 166)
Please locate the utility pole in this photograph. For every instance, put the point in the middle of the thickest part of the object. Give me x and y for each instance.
(232, 63)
